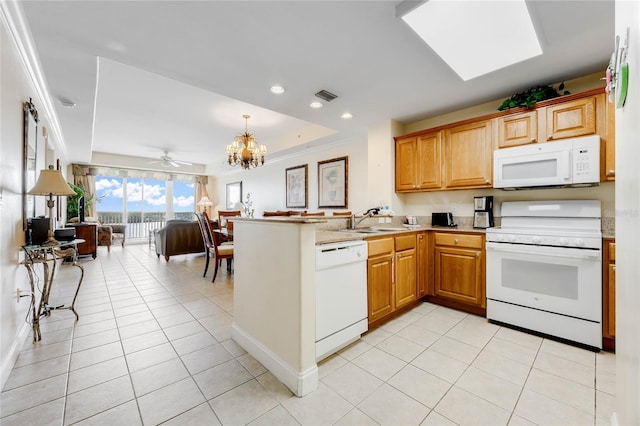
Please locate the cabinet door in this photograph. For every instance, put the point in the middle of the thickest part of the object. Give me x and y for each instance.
(609, 290)
(418, 162)
(423, 265)
(406, 164)
(610, 322)
(571, 119)
(518, 129)
(430, 165)
(609, 141)
(380, 286)
(468, 156)
(405, 280)
(458, 275)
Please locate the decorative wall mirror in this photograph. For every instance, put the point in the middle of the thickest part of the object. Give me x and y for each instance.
(30, 160)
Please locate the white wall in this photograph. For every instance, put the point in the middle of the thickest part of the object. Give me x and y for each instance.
(628, 226)
(15, 88)
(267, 183)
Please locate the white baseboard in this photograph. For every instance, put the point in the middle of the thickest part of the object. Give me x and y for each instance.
(300, 382)
(12, 356)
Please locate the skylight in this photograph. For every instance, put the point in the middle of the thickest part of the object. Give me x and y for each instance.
(476, 37)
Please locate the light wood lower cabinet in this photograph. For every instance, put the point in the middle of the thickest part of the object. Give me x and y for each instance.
(405, 270)
(380, 279)
(425, 269)
(609, 294)
(459, 271)
(391, 275)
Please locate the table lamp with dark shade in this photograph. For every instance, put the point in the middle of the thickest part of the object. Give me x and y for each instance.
(51, 183)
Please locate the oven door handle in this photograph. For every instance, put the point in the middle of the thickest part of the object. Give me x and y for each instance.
(574, 254)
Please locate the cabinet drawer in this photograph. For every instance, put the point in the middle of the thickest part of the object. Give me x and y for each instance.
(405, 242)
(379, 247)
(612, 252)
(458, 240)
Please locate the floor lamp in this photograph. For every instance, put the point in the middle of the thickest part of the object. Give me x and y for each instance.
(51, 183)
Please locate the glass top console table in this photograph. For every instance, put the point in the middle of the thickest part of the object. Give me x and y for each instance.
(48, 256)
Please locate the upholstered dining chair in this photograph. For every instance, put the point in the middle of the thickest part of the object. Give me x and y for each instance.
(223, 251)
(312, 214)
(211, 245)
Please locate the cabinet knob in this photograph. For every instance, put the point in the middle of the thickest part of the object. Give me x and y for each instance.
(487, 181)
(611, 172)
(455, 241)
(533, 140)
(478, 254)
(614, 267)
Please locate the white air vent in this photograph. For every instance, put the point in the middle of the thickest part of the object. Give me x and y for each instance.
(327, 96)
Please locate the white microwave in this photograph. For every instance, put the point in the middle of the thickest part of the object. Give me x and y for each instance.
(570, 162)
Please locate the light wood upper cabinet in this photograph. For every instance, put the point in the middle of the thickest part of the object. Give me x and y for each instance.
(460, 155)
(517, 129)
(418, 162)
(570, 119)
(468, 156)
(609, 141)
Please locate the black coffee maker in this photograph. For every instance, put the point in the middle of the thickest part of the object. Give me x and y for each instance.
(483, 212)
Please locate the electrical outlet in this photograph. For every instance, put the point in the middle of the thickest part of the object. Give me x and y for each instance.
(454, 207)
(381, 220)
(387, 220)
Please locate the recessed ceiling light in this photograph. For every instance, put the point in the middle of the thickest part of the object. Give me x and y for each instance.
(316, 105)
(278, 90)
(483, 46)
(346, 115)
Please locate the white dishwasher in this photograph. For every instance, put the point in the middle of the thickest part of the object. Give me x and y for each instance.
(341, 295)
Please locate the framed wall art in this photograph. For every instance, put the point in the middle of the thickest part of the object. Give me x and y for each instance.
(32, 160)
(234, 194)
(297, 182)
(333, 183)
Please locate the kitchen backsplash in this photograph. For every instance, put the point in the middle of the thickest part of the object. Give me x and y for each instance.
(335, 224)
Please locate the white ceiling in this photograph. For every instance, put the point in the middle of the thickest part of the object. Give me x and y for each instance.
(148, 76)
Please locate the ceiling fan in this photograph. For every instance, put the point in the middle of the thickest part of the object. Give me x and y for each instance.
(167, 161)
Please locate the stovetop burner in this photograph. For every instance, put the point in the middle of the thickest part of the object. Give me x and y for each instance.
(571, 223)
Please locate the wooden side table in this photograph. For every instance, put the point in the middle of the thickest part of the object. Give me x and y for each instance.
(89, 233)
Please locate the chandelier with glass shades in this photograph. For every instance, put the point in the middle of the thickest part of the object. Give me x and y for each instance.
(244, 149)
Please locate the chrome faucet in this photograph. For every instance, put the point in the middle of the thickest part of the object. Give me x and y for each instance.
(367, 214)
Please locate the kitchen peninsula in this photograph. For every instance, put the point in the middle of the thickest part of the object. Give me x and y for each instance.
(274, 310)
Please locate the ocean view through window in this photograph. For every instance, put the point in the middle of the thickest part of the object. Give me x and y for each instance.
(143, 204)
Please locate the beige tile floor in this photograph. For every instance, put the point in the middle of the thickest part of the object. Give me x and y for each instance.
(153, 346)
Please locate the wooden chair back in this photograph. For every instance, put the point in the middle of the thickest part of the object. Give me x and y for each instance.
(276, 213)
(205, 230)
(224, 223)
(312, 214)
(342, 213)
